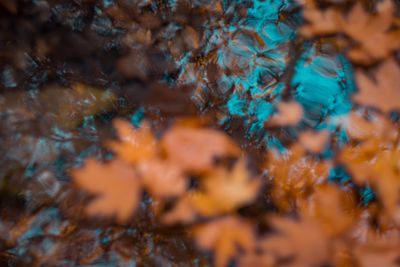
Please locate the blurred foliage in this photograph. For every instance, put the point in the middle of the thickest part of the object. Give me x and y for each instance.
(198, 133)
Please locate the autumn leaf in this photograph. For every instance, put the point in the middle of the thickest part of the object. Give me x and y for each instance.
(162, 179)
(377, 164)
(289, 114)
(314, 142)
(360, 127)
(320, 22)
(195, 149)
(294, 175)
(384, 93)
(303, 242)
(224, 237)
(224, 191)
(371, 31)
(135, 144)
(333, 208)
(115, 185)
(221, 191)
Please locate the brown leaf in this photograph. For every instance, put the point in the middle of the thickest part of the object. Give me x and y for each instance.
(221, 191)
(294, 176)
(359, 128)
(333, 208)
(377, 164)
(371, 30)
(314, 141)
(289, 114)
(162, 178)
(319, 22)
(224, 190)
(372, 34)
(224, 237)
(305, 242)
(383, 94)
(135, 144)
(196, 149)
(116, 186)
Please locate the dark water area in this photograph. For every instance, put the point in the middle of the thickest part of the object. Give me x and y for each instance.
(67, 68)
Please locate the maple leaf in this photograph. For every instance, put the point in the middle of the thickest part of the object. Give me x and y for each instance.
(289, 114)
(314, 142)
(376, 163)
(333, 208)
(224, 237)
(294, 176)
(319, 22)
(383, 94)
(135, 144)
(116, 186)
(360, 128)
(221, 191)
(224, 190)
(371, 31)
(162, 178)
(303, 241)
(196, 149)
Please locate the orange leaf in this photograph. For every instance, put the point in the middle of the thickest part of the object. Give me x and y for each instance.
(383, 94)
(196, 149)
(377, 163)
(294, 176)
(320, 22)
(289, 114)
(162, 178)
(314, 141)
(116, 186)
(222, 191)
(224, 237)
(304, 242)
(135, 144)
